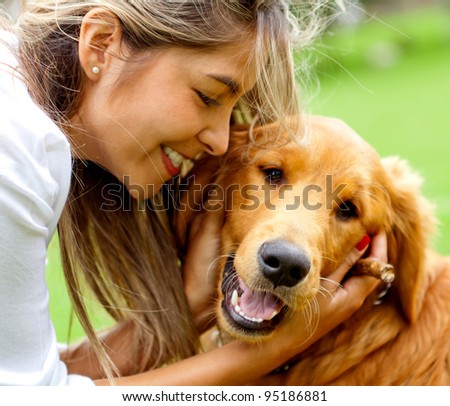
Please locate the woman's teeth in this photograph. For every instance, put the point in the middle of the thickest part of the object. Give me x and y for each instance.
(177, 160)
(174, 156)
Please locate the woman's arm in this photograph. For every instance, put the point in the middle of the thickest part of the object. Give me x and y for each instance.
(239, 363)
(81, 359)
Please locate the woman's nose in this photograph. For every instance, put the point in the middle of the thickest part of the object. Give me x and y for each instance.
(216, 137)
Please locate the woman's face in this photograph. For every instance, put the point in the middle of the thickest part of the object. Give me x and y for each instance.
(149, 127)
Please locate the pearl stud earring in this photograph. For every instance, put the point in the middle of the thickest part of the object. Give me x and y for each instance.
(95, 70)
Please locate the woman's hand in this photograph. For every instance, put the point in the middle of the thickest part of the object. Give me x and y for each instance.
(198, 232)
(245, 363)
(200, 266)
(336, 306)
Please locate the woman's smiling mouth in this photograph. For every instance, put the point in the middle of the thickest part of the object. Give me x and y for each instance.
(175, 163)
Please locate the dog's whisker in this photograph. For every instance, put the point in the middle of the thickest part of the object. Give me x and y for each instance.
(321, 291)
(217, 259)
(310, 310)
(323, 255)
(325, 293)
(212, 268)
(314, 305)
(309, 314)
(230, 283)
(337, 284)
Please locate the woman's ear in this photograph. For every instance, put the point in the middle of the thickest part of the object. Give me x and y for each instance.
(100, 39)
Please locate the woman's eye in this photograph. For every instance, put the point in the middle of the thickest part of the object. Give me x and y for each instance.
(207, 101)
(272, 174)
(347, 210)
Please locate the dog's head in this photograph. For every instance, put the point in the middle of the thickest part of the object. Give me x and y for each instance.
(294, 211)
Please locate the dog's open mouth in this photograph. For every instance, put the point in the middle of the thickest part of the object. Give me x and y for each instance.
(250, 311)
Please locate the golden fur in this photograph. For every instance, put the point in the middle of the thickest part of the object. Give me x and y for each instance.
(403, 340)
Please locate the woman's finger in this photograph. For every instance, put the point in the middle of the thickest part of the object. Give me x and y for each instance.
(379, 247)
(356, 289)
(332, 282)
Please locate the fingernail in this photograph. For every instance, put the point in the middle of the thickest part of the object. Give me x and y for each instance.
(363, 243)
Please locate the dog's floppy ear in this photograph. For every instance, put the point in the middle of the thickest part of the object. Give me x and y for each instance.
(410, 224)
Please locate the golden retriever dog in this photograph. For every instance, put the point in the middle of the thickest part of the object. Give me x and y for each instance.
(293, 212)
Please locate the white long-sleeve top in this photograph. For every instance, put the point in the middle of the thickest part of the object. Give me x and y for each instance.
(35, 169)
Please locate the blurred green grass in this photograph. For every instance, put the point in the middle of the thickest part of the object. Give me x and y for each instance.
(390, 80)
(67, 327)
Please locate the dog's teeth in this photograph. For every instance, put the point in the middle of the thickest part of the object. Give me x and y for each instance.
(235, 298)
(273, 315)
(239, 311)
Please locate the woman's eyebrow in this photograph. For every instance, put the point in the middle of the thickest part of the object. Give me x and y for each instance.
(226, 80)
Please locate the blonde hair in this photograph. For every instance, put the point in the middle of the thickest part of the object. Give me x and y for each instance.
(129, 257)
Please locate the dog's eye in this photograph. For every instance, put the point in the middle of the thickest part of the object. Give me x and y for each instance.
(272, 174)
(347, 210)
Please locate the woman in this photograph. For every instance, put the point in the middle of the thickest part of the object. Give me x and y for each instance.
(124, 96)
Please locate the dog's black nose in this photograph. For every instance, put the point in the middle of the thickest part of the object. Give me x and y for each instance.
(283, 263)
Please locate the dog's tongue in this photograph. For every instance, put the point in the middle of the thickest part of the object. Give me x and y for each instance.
(257, 304)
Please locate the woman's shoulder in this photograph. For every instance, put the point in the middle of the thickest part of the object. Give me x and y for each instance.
(18, 107)
(22, 122)
(34, 152)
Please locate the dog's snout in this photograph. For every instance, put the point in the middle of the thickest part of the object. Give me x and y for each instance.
(283, 263)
